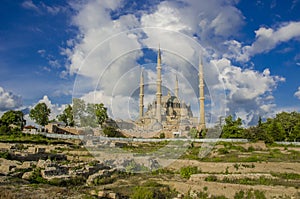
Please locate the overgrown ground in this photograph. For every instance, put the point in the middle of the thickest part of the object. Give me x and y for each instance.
(250, 170)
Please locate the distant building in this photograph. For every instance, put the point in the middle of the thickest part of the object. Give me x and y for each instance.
(167, 114)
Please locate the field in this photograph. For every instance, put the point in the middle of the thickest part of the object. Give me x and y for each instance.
(230, 170)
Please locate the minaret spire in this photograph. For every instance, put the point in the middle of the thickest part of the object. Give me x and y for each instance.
(158, 89)
(141, 106)
(202, 125)
(176, 87)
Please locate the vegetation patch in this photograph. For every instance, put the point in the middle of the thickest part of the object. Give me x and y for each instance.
(258, 181)
(186, 172)
(152, 189)
(250, 194)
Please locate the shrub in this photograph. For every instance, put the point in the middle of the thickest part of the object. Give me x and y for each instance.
(142, 193)
(236, 166)
(186, 172)
(256, 194)
(103, 181)
(223, 151)
(211, 178)
(152, 189)
(4, 129)
(75, 181)
(5, 155)
(112, 132)
(36, 177)
(239, 195)
(250, 149)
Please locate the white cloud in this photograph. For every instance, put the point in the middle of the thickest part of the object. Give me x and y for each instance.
(42, 8)
(28, 4)
(249, 92)
(266, 39)
(297, 93)
(9, 101)
(105, 54)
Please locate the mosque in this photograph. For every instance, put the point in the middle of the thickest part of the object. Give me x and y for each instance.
(166, 114)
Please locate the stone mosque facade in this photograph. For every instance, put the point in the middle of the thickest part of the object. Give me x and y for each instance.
(166, 114)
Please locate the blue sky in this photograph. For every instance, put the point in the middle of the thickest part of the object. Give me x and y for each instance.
(48, 47)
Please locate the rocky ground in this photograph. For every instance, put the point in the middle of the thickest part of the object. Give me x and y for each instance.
(71, 171)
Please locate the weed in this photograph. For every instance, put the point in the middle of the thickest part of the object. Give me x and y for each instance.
(236, 166)
(211, 178)
(223, 151)
(186, 172)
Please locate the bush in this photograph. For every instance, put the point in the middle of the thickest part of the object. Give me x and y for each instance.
(75, 181)
(142, 193)
(4, 129)
(152, 189)
(256, 194)
(37, 178)
(211, 178)
(223, 151)
(103, 181)
(186, 172)
(112, 132)
(162, 135)
(5, 155)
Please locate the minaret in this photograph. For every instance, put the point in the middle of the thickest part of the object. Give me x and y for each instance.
(202, 125)
(142, 94)
(176, 88)
(158, 89)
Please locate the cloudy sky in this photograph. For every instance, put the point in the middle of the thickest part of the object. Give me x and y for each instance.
(53, 51)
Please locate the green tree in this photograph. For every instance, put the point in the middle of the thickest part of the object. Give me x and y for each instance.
(13, 117)
(258, 132)
(194, 133)
(288, 122)
(89, 114)
(40, 113)
(101, 113)
(78, 110)
(232, 128)
(112, 132)
(295, 135)
(276, 130)
(67, 116)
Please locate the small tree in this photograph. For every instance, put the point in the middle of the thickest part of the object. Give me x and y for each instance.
(276, 130)
(67, 116)
(232, 128)
(13, 117)
(101, 113)
(194, 133)
(112, 132)
(40, 113)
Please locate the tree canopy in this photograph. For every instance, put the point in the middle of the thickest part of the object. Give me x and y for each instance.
(67, 116)
(232, 128)
(40, 114)
(89, 114)
(283, 127)
(12, 117)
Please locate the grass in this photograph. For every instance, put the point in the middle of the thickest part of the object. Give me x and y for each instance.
(145, 147)
(186, 172)
(19, 137)
(255, 194)
(259, 181)
(152, 189)
(287, 176)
